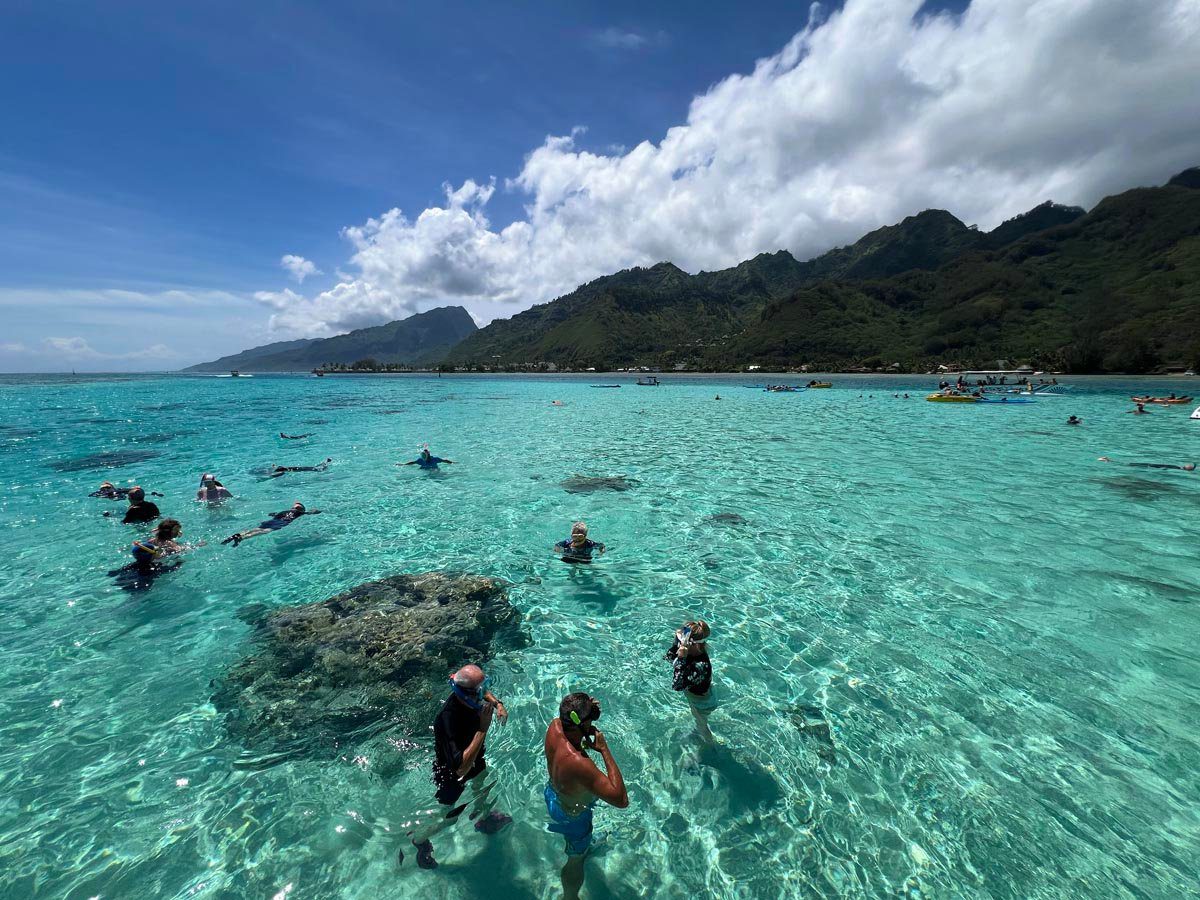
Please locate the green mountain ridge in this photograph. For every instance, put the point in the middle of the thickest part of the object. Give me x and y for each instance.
(421, 339)
(1113, 289)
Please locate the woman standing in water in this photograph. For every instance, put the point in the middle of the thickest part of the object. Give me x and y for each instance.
(691, 672)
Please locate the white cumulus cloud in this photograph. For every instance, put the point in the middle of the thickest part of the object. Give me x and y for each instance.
(299, 267)
(77, 348)
(869, 114)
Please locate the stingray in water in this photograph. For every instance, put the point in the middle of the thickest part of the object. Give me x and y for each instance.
(584, 484)
(114, 459)
(725, 518)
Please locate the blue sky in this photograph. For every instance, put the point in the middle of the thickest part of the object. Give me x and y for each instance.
(158, 160)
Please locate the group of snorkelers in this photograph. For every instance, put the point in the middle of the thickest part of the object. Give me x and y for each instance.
(574, 781)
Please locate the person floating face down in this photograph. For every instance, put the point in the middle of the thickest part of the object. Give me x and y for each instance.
(1074, 420)
(109, 491)
(577, 548)
(692, 673)
(426, 460)
(212, 491)
(278, 520)
(280, 471)
(458, 733)
(575, 783)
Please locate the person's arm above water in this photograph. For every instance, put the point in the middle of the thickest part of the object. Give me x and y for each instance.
(474, 748)
(609, 786)
(501, 711)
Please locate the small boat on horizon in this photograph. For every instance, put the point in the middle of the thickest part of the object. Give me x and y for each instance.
(648, 381)
(605, 385)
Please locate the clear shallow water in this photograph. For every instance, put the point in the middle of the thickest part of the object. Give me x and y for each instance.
(999, 630)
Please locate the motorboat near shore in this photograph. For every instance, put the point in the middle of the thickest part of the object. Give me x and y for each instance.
(648, 381)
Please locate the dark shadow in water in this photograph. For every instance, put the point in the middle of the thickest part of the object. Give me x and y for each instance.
(284, 550)
(750, 786)
(592, 586)
(724, 518)
(810, 721)
(113, 459)
(1172, 593)
(134, 578)
(316, 421)
(586, 484)
(162, 437)
(163, 407)
(1138, 489)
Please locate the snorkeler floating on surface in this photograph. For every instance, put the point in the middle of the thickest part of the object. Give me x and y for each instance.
(278, 520)
(1186, 467)
(295, 437)
(1074, 420)
(426, 460)
(577, 548)
(212, 491)
(279, 471)
(1140, 411)
(108, 491)
(575, 783)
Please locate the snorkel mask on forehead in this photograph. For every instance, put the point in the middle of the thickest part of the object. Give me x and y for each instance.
(592, 716)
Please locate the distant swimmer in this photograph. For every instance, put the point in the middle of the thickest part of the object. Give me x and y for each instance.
(295, 437)
(1186, 467)
(718, 397)
(577, 548)
(280, 471)
(556, 403)
(1074, 420)
(1140, 411)
(575, 783)
(278, 520)
(426, 460)
(140, 509)
(211, 490)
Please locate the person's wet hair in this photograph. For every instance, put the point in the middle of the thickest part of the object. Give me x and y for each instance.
(137, 495)
(579, 703)
(165, 530)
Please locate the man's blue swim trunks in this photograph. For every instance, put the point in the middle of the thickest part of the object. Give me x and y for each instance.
(576, 829)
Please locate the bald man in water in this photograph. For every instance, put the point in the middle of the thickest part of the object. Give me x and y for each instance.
(458, 732)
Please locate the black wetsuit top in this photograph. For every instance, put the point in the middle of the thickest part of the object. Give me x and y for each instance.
(581, 554)
(141, 512)
(1155, 466)
(111, 493)
(287, 517)
(453, 730)
(692, 673)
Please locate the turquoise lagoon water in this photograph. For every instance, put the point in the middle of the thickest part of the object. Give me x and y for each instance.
(999, 631)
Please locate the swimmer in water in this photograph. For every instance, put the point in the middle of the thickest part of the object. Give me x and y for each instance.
(280, 471)
(426, 460)
(691, 672)
(1074, 420)
(164, 543)
(140, 509)
(575, 783)
(295, 437)
(1186, 467)
(277, 521)
(212, 491)
(108, 491)
(577, 548)
(1140, 411)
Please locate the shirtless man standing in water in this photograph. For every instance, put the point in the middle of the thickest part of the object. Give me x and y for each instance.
(576, 783)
